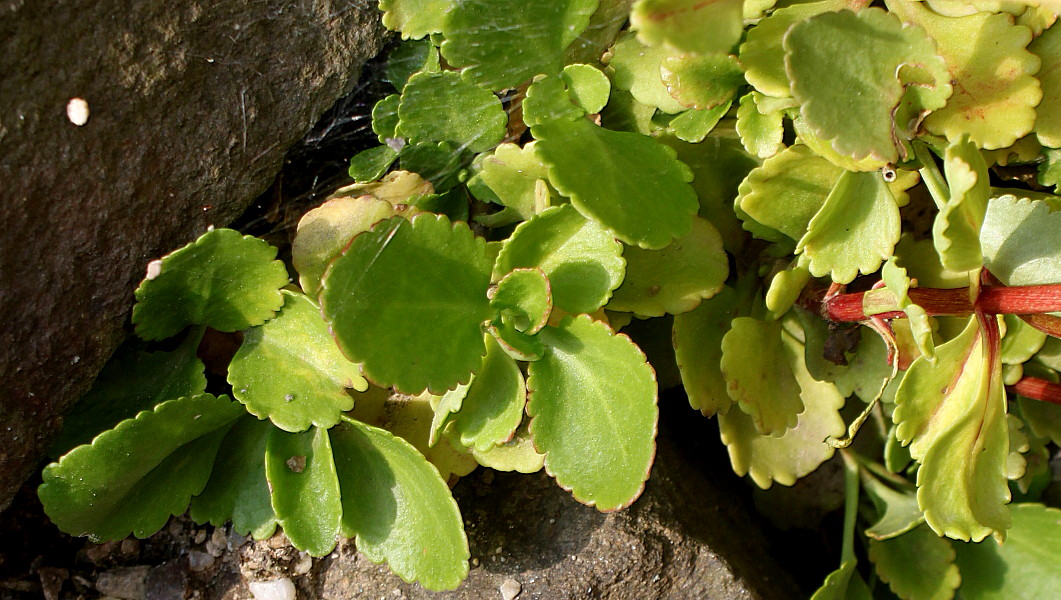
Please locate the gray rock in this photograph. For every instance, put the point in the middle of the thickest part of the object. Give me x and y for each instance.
(188, 110)
(124, 582)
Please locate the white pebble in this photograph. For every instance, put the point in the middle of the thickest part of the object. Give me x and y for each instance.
(154, 269)
(510, 589)
(277, 589)
(77, 111)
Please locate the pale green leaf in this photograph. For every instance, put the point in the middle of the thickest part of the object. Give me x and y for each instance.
(238, 490)
(518, 345)
(1020, 342)
(132, 478)
(850, 71)
(867, 367)
(415, 18)
(588, 86)
(493, 406)
(636, 66)
(898, 282)
(398, 507)
(801, 449)
(499, 47)
(1020, 241)
(693, 125)
(443, 107)
(370, 165)
(1048, 118)
(760, 132)
(581, 260)
(1044, 419)
(224, 280)
(524, 295)
(956, 229)
(897, 511)
(698, 350)
(953, 415)
(593, 405)
(771, 397)
(406, 300)
(785, 289)
(304, 488)
(675, 279)
(702, 81)
(132, 380)
(444, 407)
(627, 182)
(855, 231)
(290, 371)
(518, 454)
(548, 99)
(517, 178)
(843, 584)
(918, 565)
(689, 25)
(788, 189)
(1050, 168)
(1024, 568)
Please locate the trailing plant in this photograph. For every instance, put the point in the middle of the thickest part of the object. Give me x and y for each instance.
(846, 208)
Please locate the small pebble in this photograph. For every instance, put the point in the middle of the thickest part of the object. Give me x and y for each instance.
(77, 111)
(304, 564)
(200, 536)
(510, 589)
(277, 589)
(198, 561)
(124, 582)
(217, 543)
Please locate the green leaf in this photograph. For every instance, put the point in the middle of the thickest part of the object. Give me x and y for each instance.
(593, 405)
(627, 182)
(953, 416)
(1050, 168)
(788, 190)
(760, 132)
(689, 25)
(132, 380)
(995, 93)
(443, 107)
(855, 231)
(493, 407)
(693, 125)
(698, 350)
(439, 164)
(515, 343)
(771, 397)
(409, 58)
(866, 369)
(785, 288)
(1024, 568)
(763, 56)
(588, 86)
(702, 81)
(398, 507)
(518, 454)
(238, 490)
(406, 300)
(956, 229)
(525, 295)
(636, 66)
(304, 488)
(1020, 342)
(517, 179)
(918, 565)
(479, 38)
(291, 372)
(801, 449)
(850, 72)
(444, 407)
(898, 511)
(1019, 239)
(1048, 119)
(415, 18)
(371, 164)
(132, 478)
(581, 260)
(224, 280)
(843, 584)
(548, 99)
(385, 118)
(675, 279)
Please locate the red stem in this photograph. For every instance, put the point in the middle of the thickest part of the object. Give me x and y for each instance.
(1016, 300)
(1038, 389)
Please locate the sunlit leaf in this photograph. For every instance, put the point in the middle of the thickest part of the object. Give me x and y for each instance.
(760, 133)
(675, 279)
(898, 283)
(290, 371)
(1050, 168)
(693, 125)
(1019, 239)
(788, 190)
(493, 407)
(525, 295)
(593, 405)
(918, 565)
(953, 416)
(224, 280)
(702, 81)
(1024, 568)
(850, 71)
(415, 18)
(698, 351)
(479, 38)
(627, 182)
(398, 507)
(406, 300)
(132, 478)
(771, 397)
(515, 343)
(636, 68)
(518, 454)
(133, 380)
(581, 260)
(371, 164)
(763, 56)
(443, 107)
(956, 229)
(238, 490)
(517, 179)
(689, 25)
(588, 85)
(855, 230)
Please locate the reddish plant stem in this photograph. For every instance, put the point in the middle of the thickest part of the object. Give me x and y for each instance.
(1016, 300)
(1038, 389)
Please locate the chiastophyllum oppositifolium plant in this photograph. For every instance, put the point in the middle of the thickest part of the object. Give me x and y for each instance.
(845, 211)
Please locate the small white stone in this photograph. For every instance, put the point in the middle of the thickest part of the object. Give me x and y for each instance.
(304, 564)
(277, 589)
(154, 269)
(510, 589)
(77, 111)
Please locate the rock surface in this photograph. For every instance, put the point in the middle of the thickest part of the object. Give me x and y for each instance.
(190, 109)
